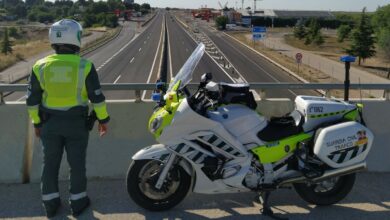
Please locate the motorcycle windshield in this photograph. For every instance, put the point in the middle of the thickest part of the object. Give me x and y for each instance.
(184, 76)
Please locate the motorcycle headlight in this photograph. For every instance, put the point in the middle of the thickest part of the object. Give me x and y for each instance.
(155, 124)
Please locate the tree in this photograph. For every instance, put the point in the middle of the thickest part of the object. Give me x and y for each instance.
(381, 18)
(313, 34)
(89, 20)
(136, 7)
(221, 22)
(6, 45)
(318, 39)
(362, 39)
(145, 6)
(111, 21)
(299, 30)
(384, 44)
(13, 32)
(343, 32)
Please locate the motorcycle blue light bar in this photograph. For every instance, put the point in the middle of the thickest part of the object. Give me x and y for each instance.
(156, 97)
(347, 58)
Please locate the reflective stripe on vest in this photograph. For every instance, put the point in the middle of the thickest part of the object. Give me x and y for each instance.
(41, 75)
(81, 82)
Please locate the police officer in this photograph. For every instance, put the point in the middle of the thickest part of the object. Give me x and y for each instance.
(59, 89)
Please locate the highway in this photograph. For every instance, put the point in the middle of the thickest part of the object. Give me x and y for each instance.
(135, 57)
(181, 45)
(251, 66)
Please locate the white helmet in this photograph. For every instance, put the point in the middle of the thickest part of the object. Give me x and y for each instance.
(66, 31)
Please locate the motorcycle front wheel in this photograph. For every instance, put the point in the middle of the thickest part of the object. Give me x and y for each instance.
(142, 177)
(327, 192)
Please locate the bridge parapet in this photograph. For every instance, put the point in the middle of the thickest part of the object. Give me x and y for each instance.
(109, 157)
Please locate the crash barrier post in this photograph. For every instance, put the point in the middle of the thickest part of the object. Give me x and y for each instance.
(1, 98)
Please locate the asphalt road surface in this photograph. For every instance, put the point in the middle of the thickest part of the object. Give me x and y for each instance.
(181, 46)
(252, 66)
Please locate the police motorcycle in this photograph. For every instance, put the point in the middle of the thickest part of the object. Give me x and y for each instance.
(213, 141)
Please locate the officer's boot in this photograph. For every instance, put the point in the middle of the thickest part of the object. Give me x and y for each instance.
(51, 207)
(79, 206)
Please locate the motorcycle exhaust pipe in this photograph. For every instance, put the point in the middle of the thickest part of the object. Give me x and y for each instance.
(328, 174)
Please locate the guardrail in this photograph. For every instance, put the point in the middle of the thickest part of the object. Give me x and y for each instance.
(138, 87)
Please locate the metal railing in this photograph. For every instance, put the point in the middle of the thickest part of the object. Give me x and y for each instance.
(138, 87)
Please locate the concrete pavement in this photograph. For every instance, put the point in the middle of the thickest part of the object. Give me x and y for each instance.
(368, 200)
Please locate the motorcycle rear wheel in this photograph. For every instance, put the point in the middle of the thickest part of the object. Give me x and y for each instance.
(141, 178)
(327, 192)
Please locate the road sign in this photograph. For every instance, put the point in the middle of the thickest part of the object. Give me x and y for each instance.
(246, 21)
(258, 36)
(299, 57)
(259, 33)
(257, 29)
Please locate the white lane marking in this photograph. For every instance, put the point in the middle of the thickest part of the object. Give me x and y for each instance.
(155, 58)
(169, 54)
(124, 47)
(139, 49)
(117, 79)
(254, 62)
(21, 98)
(224, 71)
(132, 59)
(144, 42)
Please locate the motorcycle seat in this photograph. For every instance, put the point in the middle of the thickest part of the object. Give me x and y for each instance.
(282, 127)
(237, 93)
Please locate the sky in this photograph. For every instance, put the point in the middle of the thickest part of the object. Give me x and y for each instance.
(332, 5)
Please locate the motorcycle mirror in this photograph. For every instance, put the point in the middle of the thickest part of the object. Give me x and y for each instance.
(160, 86)
(206, 77)
(156, 97)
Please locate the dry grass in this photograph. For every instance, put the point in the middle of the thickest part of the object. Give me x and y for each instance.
(31, 44)
(308, 73)
(23, 51)
(109, 33)
(333, 49)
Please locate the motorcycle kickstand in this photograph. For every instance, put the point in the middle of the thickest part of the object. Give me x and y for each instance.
(266, 210)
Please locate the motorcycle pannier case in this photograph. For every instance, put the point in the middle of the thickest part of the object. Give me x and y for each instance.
(343, 144)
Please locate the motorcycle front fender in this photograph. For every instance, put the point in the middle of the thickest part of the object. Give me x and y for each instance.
(153, 152)
(160, 152)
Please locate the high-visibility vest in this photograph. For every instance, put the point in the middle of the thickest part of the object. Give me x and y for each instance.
(62, 79)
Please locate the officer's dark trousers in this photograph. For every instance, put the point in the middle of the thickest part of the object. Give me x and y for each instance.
(69, 133)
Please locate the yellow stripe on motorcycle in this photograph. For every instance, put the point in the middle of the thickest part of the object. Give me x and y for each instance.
(275, 151)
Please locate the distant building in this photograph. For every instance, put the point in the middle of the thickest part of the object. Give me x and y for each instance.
(287, 13)
(248, 15)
